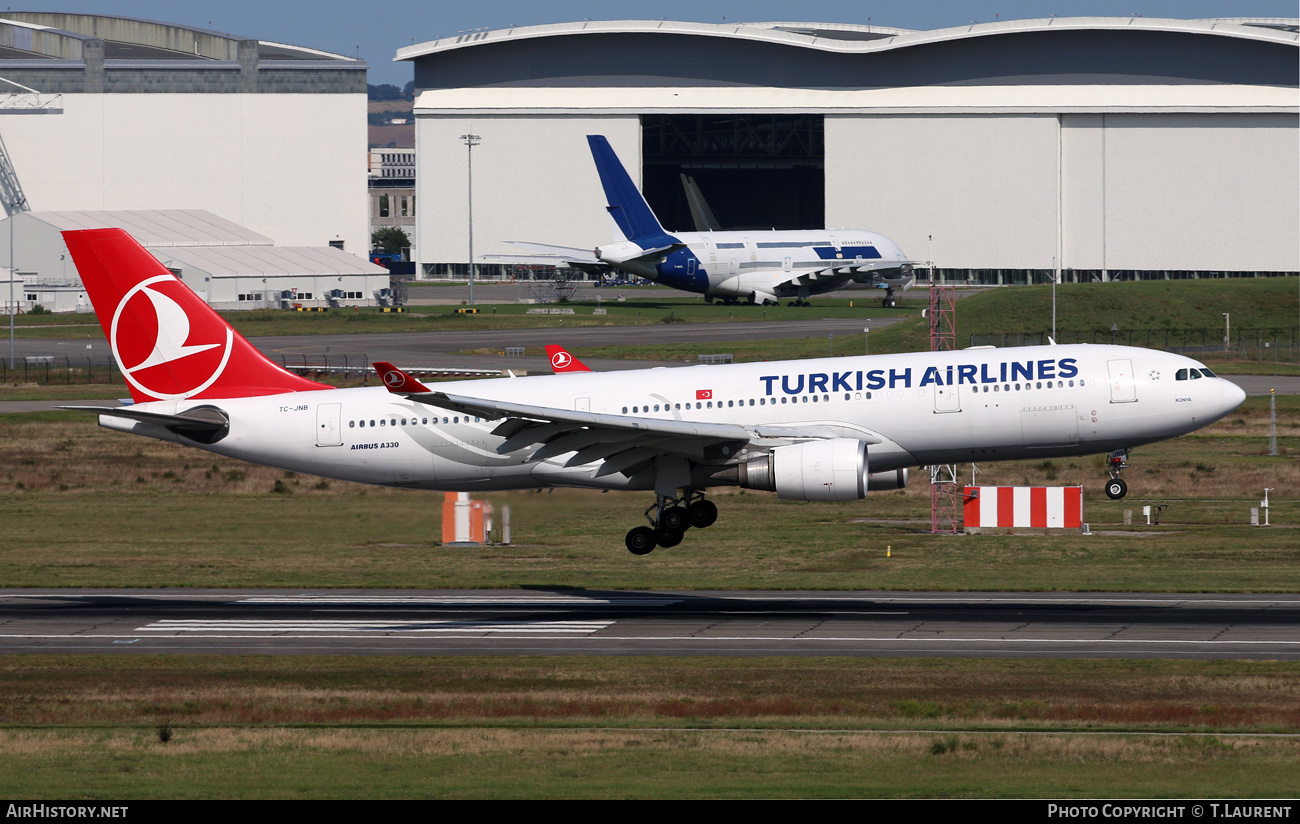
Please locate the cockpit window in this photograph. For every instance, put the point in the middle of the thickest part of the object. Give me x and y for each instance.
(1207, 373)
(1181, 376)
(1196, 374)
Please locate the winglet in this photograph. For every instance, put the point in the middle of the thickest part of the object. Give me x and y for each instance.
(562, 361)
(397, 381)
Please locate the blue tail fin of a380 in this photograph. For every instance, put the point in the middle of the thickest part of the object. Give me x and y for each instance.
(625, 204)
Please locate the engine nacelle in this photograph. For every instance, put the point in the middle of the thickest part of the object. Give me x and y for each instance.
(831, 470)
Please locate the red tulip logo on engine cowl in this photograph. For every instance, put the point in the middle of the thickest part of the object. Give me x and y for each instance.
(160, 351)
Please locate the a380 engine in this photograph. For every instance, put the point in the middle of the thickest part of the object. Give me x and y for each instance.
(830, 470)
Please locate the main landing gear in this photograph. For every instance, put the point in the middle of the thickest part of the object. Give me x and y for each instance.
(888, 301)
(1115, 464)
(670, 519)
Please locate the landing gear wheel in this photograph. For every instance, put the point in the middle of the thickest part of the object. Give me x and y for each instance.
(641, 540)
(673, 519)
(702, 514)
(888, 303)
(667, 537)
(1116, 489)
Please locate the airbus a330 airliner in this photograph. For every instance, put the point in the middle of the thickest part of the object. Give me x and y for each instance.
(830, 429)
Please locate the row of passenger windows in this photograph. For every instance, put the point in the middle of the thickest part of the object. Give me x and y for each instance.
(1006, 387)
(640, 410)
(361, 424)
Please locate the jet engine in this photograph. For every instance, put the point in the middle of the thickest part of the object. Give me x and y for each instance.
(830, 470)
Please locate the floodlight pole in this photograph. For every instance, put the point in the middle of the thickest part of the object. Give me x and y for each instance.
(1056, 277)
(11, 292)
(471, 140)
(14, 208)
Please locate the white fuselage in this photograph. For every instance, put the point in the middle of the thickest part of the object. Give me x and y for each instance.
(911, 409)
(764, 263)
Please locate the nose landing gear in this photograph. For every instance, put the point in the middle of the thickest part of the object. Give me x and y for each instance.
(669, 519)
(1115, 464)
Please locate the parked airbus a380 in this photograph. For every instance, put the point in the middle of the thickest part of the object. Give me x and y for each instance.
(754, 266)
(827, 430)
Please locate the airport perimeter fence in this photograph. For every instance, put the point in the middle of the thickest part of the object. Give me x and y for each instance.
(348, 366)
(54, 370)
(1263, 344)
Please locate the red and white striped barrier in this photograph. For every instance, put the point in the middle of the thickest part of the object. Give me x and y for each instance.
(1051, 507)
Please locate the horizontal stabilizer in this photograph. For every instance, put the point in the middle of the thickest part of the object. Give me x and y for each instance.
(205, 423)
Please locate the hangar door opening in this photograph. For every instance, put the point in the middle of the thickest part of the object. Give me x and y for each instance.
(753, 171)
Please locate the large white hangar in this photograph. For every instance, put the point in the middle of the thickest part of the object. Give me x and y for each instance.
(154, 115)
(1114, 148)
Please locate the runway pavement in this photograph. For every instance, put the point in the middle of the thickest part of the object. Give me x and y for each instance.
(579, 622)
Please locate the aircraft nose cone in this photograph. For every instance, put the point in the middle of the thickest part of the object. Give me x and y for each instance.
(1233, 396)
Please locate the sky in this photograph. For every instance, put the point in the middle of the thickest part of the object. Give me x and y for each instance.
(375, 30)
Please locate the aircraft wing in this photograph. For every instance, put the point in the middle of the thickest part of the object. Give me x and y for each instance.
(621, 443)
(866, 272)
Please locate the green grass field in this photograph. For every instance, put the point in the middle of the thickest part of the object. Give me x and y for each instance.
(92, 727)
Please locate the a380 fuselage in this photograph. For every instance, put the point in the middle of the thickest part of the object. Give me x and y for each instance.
(741, 264)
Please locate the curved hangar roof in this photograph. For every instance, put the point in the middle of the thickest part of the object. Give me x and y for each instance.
(814, 65)
(75, 53)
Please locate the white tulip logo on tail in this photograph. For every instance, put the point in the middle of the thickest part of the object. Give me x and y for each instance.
(170, 343)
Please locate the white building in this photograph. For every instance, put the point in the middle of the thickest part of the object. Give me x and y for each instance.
(391, 180)
(1112, 147)
(227, 265)
(162, 116)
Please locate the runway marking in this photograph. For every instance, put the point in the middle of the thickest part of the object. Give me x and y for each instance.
(466, 600)
(321, 625)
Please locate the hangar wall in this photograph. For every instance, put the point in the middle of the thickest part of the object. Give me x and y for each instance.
(533, 180)
(1136, 191)
(266, 161)
(983, 186)
(1196, 191)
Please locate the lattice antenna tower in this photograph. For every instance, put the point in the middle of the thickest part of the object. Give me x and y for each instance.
(945, 497)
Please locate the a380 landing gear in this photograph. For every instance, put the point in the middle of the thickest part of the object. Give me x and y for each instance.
(1115, 464)
(669, 519)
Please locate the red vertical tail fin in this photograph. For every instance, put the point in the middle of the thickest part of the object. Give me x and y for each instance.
(169, 344)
